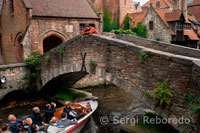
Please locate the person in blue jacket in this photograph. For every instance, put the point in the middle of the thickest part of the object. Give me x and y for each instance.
(49, 111)
(13, 123)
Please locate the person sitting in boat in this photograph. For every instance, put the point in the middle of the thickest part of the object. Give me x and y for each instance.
(29, 126)
(49, 111)
(71, 113)
(53, 126)
(37, 118)
(64, 121)
(5, 128)
(13, 123)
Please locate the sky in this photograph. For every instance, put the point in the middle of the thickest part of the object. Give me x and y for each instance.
(141, 1)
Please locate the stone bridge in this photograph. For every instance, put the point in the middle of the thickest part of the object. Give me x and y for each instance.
(118, 62)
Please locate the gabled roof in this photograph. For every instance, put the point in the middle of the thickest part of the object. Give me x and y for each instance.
(162, 14)
(61, 8)
(163, 3)
(191, 34)
(138, 17)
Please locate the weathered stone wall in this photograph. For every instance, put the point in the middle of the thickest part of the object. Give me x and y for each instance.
(162, 46)
(160, 30)
(117, 62)
(14, 75)
(12, 24)
(62, 27)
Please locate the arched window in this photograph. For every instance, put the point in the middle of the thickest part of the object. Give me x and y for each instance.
(51, 42)
(19, 48)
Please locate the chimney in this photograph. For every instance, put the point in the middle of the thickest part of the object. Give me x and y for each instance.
(151, 5)
(158, 4)
(176, 5)
(184, 7)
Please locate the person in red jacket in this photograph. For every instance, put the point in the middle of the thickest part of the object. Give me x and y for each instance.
(89, 30)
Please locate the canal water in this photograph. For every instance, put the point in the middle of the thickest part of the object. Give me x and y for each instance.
(113, 102)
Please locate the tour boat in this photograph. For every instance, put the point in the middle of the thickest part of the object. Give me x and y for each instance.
(82, 121)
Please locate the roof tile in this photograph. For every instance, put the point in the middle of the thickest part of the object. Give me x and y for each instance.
(61, 8)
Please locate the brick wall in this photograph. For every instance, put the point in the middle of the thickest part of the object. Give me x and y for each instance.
(65, 28)
(11, 25)
(117, 8)
(164, 34)
(126, 6)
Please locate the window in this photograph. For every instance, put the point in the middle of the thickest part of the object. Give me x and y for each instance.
(82, 25)
(11, 6)
(150, 25)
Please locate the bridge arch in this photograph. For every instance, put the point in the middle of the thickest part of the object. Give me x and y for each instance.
(51, 39)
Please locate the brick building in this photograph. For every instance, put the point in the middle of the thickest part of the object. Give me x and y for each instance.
(194, 8)
(40, 25)
(168, 22)
(118, 8)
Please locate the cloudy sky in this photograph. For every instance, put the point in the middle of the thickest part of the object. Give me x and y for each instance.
(141, 1)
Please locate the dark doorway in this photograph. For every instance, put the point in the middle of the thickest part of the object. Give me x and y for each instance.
(51, 42)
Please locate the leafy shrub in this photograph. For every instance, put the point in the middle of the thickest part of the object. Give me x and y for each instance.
(163, 94)
(92, 63)
(33, 60)
(190, 97)
(141, 30)
(143, 56)
(120, 31)
(33, 63)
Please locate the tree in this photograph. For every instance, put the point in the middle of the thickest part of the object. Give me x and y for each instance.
(115, 25)
(127, 22)
(141, 30)
(107, 21)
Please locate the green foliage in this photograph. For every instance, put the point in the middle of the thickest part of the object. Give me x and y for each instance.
(143, 56)
(194, 103)
(92, 63)
(33, 63)
(33, 60)
(120, 31)
(162, 93)
(148, 94)
(190, 14)
(48, 58)
(141, 30)
(61, 50)
(3, 69)
(107, 21)
(115, 24)
(127, 22)
(190, 97)
(27, 76)
(158, 39)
